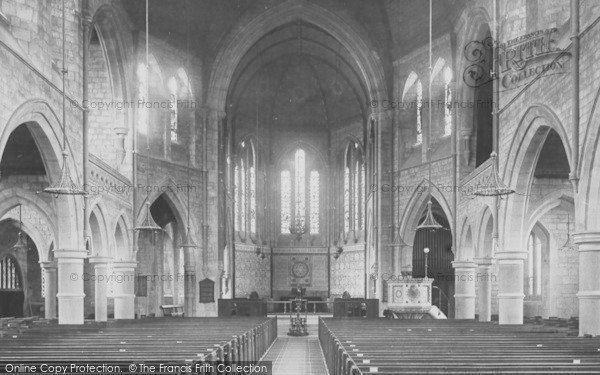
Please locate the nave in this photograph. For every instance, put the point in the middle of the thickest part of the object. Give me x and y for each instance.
(333, 346)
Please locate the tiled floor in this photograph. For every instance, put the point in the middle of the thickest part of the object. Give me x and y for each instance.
(296, 355)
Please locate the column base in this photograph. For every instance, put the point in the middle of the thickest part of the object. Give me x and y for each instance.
(510, 308)
(589, 282)
(125, 307)
(484, 288)
(464, 297)
(70, 285)
(70, 308)
(589, 313)
(124, 295)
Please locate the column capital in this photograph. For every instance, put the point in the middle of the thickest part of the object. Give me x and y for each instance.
(509, 256)
(587, 238)
(125, 264)
(96, 259)
(48, 265)
(465, 264)
(484, 261)
(61, 254)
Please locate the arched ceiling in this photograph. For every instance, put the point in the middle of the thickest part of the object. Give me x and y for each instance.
(297, 76)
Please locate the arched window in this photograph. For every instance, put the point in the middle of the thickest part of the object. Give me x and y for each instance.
(245, 187)
(533, 271)
(300, 197)
(173, 109)
(354, 188)
(419, 107)
(10, 279)
(447, 102)
(180, 104)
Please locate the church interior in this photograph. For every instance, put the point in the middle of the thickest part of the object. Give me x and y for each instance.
(342, 186)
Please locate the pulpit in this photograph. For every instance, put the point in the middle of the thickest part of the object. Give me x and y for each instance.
(411, 299)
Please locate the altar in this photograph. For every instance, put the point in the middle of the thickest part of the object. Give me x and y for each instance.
(412, 299)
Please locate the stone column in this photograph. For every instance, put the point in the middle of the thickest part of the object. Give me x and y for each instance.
(189, 282)
(51, 282)
(589, 282)
(124, 292)
(510, 287)
(484, 288)
(464, 295)
(100, 287)
(70, 285)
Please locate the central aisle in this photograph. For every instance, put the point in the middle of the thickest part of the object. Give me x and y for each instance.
(297, 355)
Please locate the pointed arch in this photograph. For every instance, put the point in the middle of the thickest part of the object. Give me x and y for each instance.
(46, 129)
(466, 246)
(11, 198)
(521, 161)
(168, 189)
(589, 172)
(345, 30)
(485, 248)
(122, 240)
(415, 207)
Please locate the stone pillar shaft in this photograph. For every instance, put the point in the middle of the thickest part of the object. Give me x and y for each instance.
(124, 289)
(70, 285)
(51, 289)
(589, 282)
(484, 288)
(189, 283)
(464, 295)
(100, 288)
(510, 287)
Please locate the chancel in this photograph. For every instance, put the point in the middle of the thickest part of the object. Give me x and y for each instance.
(332, 186)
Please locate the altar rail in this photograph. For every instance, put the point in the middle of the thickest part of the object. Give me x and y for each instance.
(311, 307)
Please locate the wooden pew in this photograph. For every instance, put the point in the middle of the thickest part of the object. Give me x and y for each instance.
(460, 347)
(160, 339)
(175, 311)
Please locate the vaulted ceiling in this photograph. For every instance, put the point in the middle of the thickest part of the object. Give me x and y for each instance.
(297, 75)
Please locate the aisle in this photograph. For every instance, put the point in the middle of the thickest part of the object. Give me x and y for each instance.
(297, 355)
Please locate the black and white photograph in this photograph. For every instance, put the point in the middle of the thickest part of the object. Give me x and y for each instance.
(299, 187)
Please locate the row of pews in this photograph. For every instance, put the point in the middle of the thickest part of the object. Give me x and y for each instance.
(145, 340)
(384, 346)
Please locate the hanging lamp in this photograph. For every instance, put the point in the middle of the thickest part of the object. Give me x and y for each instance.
(65, 184)
(397, 240)
(148, 224)
(429, 223)
(494, 187)
(21, 244)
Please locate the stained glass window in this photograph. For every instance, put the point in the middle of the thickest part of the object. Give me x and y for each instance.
(347, 200)
(299, 188)
(9, 275)
(286, 200)
(448, 102)
(300, 194)
(245, 188)
(238, 201)
(354, 188)
(252, 193)
(242, 196)
(314, 202)
(533, 281)
(363, 193)
(173, 109)
(419, 112)
(357, 196)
